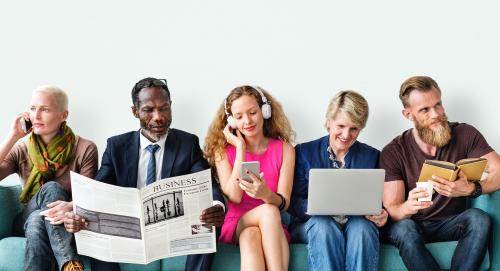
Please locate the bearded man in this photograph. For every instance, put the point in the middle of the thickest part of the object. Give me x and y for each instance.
(446, 217)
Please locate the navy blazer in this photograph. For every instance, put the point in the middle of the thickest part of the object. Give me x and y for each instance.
(314, 154)
(182, 155)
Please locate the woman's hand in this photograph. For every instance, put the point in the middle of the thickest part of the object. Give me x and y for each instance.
(256, 187)
(235, 140)
(380, 219)
(16, 131)
(56, 212)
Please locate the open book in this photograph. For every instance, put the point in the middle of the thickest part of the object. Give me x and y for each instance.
(472, 167)
(142, 225)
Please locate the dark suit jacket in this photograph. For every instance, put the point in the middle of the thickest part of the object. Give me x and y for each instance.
(182, 155)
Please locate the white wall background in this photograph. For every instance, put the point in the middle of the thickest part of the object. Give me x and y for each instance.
(303, 52)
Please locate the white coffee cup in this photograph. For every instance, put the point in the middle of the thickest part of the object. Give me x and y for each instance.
(429, 188)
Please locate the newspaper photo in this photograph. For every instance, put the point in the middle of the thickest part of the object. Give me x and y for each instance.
(134, 225)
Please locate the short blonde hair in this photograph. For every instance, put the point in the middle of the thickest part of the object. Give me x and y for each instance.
(60, 97)
(352, 104)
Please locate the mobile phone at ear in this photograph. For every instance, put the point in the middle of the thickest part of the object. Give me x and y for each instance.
(233, 130)
(25, 125)
(252, 166)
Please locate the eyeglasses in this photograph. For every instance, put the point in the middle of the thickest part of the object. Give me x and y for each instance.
(152, 83)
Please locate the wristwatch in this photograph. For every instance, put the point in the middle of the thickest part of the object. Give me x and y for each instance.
(478, 190)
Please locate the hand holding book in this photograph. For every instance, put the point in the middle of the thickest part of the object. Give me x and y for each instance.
(453, 180)
(461, 187)
(473, 169)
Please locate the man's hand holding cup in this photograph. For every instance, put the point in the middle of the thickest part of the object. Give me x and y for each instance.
(429, 189)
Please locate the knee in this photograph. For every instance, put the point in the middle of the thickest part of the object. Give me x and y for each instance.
(250, 236)
(270, 213)
(52, 191)
(478, 220)
(405, 229)
(34, 226)
(360, 223)
(51, 186)
(323, 226)
(362, 228)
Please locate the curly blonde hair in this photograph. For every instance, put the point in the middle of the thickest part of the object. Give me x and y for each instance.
(276, 127)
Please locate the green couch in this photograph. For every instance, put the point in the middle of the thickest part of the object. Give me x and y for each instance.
(228, 257)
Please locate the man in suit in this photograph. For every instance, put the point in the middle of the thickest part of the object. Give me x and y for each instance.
(156, 151)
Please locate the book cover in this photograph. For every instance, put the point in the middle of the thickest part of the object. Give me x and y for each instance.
(473, 168)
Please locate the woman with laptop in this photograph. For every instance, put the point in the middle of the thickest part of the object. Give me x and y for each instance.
(337, 242)
(251, 126)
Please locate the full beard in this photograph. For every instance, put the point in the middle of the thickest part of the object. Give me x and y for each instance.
(438, 136)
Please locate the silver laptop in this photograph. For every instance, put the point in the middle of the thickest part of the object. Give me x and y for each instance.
(345, 191)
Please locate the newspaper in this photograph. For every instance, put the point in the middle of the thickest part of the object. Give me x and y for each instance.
(143, 225)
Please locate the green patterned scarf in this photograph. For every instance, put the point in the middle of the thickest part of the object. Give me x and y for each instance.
(46, 160)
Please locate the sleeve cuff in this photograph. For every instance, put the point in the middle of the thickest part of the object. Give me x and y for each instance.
(216, 202)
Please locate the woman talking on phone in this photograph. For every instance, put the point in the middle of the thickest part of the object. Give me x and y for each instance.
(43, 163)
(251, 126)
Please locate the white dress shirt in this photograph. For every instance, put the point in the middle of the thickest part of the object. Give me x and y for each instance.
(142, 169)
(144, 155)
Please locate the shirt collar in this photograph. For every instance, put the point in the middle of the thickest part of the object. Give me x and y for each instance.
(333, 158)
(144, 141)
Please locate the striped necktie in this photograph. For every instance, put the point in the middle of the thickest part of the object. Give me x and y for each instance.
(151, 177)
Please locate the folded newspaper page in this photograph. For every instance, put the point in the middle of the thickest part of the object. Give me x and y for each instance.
(158, 221)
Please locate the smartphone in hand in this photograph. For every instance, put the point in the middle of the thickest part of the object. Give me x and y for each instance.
(253, 166)
(25, 125)
(233, 131)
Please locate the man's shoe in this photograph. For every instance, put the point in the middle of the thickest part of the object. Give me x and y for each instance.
(73, 266)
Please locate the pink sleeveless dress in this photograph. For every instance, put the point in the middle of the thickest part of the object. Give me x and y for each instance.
(270, 164)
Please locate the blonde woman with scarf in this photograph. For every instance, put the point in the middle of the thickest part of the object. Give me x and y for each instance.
(43, 163)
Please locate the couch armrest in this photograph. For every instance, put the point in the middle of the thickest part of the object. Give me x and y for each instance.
(490, 203)
(9, 208)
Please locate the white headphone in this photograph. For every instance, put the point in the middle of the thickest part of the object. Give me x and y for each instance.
(265, 108)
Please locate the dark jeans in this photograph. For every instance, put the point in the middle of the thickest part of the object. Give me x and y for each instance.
(44, 241)
(471, 228)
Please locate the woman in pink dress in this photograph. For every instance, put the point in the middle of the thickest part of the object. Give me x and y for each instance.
(251, 126)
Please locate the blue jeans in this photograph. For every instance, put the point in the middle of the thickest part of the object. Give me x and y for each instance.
(471, 228)
(354, 246)
(45, 241)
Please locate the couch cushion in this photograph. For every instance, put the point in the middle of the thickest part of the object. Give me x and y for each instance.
(228, 257)
(152, 266)
(173, 264)
(490, 203)
(298, 257)
(442, 252)
(12, 253)
(8, 196)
